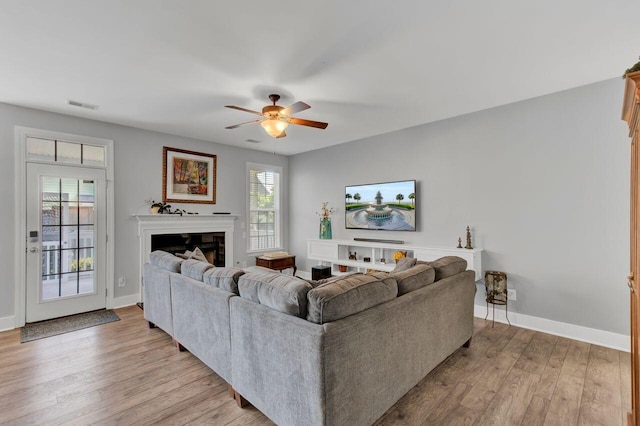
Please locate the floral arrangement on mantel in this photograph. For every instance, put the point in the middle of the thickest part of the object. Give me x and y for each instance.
(325, 211)
(634, 68)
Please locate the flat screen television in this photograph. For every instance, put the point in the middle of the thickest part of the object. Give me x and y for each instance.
(387, 206)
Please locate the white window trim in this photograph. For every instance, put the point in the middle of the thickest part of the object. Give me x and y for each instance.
(20, 243)
(280, 233)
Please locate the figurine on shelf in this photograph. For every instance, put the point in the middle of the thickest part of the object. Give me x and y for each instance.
(459, 242)
(468, 246)
(352, 256)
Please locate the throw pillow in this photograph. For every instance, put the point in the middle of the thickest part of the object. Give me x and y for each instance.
(184, 255)
(198, 255)
(404, 264)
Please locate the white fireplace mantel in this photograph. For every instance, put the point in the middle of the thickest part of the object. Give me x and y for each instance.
(158, 224)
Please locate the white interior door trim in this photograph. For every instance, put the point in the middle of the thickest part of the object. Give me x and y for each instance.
(20, 204)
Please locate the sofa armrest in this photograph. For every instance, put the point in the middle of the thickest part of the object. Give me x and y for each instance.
(157, 296)
(201, 322)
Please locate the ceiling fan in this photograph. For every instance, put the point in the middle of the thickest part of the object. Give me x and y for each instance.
(276, 118)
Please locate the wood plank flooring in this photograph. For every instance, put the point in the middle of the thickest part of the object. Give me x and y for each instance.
(124, 373)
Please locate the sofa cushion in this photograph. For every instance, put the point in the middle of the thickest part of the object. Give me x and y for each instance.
(165, 260)
(448, 266)
(414, 278)
(349, 295)
(223, 278)
(281, 292)
(195, 269)
(317, 283)
(404, 264)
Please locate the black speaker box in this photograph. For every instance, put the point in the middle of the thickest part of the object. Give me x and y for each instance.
(320, 272)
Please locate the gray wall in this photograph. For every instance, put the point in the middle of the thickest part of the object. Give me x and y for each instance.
(138, 176)
(543, 184)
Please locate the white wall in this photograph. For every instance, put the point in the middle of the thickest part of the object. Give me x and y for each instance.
(138, 176)
(543, 184)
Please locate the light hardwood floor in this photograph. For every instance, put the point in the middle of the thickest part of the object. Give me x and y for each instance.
(125, 373)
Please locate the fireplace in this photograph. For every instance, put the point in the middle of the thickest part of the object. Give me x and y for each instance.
(215, 232)
(211, 244)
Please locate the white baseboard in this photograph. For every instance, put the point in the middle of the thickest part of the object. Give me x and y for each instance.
(584, 334)
(121, 302)
(7, 323)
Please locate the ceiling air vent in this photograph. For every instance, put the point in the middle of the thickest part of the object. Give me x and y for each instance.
(82, 105)
(252, 141)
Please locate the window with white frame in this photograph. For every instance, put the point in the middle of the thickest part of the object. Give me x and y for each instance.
(264, 190)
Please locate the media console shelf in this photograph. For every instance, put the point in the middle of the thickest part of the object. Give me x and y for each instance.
(336, 253)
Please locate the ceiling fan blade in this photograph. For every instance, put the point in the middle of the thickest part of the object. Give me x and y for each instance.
(244, 109)
(242, 124)
(292, 109)
(281, 135)
(310, 123)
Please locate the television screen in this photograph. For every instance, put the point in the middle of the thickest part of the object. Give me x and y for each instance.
(388, 206)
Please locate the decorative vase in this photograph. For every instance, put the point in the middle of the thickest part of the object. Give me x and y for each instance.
(325, 229)
(155, 210)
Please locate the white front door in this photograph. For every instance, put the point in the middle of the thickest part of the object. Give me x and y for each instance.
(66, 240)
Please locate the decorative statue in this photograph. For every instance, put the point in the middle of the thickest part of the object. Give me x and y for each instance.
(352, 256)
(468, 246)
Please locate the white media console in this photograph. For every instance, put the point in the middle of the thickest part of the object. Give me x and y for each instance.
(336, 253)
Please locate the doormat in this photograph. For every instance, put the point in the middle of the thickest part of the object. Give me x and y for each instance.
(42, 329)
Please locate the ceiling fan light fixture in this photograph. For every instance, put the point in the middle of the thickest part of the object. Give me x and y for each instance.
(274, 127)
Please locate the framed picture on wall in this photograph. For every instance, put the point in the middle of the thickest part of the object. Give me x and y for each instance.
(188, 176)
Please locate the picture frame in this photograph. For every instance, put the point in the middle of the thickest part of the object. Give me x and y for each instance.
(188, 176)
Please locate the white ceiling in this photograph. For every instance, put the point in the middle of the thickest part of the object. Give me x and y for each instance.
(365, 67)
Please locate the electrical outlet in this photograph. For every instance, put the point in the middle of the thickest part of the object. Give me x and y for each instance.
(511, 294)
(122, 281)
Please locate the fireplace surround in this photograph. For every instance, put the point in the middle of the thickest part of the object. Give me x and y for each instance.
(221, 226)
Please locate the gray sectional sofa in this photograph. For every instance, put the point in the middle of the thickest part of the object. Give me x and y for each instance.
(339, 351)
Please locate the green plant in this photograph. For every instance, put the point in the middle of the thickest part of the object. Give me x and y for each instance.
(161, 205)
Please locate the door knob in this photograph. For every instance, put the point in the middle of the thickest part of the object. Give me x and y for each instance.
(33, 249)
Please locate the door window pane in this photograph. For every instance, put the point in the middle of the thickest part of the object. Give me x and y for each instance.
(67, 237)
(68, 152)
(41, 149)
(93, 155)
(51, 150)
